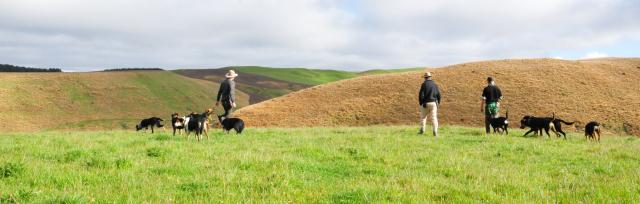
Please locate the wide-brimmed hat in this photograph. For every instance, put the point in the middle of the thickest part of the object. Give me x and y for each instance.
(427, 75)
(231, 74)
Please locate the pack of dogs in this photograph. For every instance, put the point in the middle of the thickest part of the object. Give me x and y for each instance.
(537, 125)
(196, 123)
(199, 124)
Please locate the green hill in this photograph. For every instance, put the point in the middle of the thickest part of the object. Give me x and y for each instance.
(298, 75)
(263, 83)
(98, 100)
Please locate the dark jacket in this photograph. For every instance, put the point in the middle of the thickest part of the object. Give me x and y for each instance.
(491, 94)
(429, 92)
(227, 91)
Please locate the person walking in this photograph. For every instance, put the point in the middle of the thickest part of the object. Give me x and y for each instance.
(429, 98)
(490, 104)
(227, 93)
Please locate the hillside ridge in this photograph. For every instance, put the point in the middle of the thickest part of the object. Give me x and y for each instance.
(583, 90)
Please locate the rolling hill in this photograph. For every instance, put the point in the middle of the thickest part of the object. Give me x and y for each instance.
(264, 83)
(606, 90)
(98, 100)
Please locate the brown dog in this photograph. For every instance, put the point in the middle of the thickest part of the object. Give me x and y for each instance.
(207, 122)
(592, 131)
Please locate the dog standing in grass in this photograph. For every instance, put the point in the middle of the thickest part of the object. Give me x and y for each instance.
(592, 131)
(429, 100)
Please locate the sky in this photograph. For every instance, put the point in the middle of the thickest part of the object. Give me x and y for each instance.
(84, 35)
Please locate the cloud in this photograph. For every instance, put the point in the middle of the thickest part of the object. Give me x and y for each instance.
(337, 34)
(593, 55)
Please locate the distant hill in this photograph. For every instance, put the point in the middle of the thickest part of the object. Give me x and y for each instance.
(132, 69)
(13, 68)
(99, 100)
(263, 83)
(297, 75)
(606, 90)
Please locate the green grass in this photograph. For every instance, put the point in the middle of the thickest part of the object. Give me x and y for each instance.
(317, 165)
(170, 89)
(298, 75)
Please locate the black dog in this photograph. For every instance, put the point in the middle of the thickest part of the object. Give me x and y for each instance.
(231, 123)
(150, 122)
(592, 131)
(178, 123)
(199, 123)
(191, 123)
(500, 124)
(557, 124)
(537, 124)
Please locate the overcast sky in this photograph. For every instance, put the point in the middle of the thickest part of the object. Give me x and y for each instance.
(332, 34)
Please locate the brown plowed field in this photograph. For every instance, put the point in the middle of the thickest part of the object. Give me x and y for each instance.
(607, 90)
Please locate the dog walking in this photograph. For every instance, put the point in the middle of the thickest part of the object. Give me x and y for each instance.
(490, 104)
(429, 98)
(227, 93)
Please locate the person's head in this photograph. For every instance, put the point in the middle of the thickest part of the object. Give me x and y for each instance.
(427, 75)
(490, 80)
(231, 74)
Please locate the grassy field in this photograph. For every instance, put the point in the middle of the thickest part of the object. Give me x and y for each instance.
(317, 165)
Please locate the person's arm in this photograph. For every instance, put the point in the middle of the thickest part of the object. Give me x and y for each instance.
(219, 94)
(499, 96)
(482, 105)
(421, 96)
(438, 95)
(232, 93)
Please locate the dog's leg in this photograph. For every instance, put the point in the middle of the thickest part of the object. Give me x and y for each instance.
(546, 130)
(525, 134)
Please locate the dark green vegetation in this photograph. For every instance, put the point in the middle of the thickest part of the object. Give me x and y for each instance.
(263, 83)
(13, 68)
(325, 165)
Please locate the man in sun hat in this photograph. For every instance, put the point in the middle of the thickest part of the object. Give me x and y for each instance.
(227, 93)
(490, 105)
(429, 98)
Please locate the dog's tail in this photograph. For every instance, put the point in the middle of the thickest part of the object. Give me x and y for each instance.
(565, 122)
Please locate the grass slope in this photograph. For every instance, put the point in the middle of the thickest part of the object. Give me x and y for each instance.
(317, 165)
(605, 90)
(298, 75)
(37, 101)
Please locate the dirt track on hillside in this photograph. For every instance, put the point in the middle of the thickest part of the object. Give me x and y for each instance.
(606, 90)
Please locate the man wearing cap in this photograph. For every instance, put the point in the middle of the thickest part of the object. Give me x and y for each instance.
(429, 98)
(227, 93)
(490, 104)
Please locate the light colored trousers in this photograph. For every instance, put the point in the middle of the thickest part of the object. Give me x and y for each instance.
(430, 111)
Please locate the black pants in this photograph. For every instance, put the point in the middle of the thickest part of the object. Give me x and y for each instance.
(228, 109)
